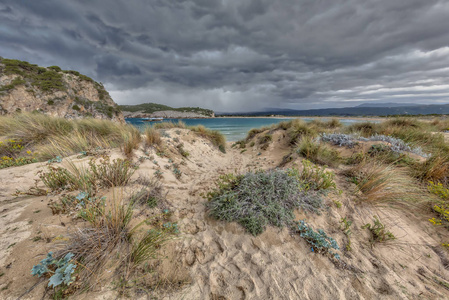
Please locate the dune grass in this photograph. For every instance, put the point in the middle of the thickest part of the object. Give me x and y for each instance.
(382, 183)
(112, 242)
(50, 136)
(152, 137)
(318, 152)
(90, 178)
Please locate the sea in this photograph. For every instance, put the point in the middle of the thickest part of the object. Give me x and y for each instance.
(234, 129)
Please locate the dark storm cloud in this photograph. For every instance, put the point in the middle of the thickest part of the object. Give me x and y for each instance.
(241, 54)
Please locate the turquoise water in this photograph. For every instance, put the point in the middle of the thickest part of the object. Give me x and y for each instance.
(233, 129)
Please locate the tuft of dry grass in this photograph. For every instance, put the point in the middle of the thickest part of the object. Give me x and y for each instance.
(131, 142)
(381, 183)
(214, 136)
(317, 152)
(436, 168)
(112, 243)
(300, 129)
(152, 137)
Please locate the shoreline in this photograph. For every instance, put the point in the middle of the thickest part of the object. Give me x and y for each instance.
(277, 117)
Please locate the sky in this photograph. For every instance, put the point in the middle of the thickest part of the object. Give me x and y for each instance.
(241, 55)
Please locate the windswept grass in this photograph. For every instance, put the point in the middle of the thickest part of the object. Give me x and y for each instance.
(50, 136)
(365, 129)
(381, 183)
(300, 129)
(318, 152)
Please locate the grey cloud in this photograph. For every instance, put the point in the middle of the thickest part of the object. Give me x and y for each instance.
(241, 54)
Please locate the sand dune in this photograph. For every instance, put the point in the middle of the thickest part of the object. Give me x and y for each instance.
(217, 260)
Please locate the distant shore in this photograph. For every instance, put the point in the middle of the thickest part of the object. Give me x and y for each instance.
(305, 117)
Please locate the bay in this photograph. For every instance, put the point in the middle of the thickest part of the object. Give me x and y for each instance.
(233, 129)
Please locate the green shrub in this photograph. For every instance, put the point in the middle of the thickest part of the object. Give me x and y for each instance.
(15, 82)
(55, 68)
(258, 199)
(241, 144)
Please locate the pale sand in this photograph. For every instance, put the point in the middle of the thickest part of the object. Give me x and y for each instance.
(220, 260)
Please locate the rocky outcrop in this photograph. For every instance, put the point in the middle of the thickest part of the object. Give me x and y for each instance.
(26, 88)
(167, 114)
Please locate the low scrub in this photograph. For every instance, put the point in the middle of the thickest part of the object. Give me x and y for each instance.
(258, 199)
(436, 168)
(131, 142)
(255, 131)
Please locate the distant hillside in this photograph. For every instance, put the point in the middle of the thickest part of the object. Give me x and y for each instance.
(357, 111)
(388, 104)
(26, 87)
(160, 110)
